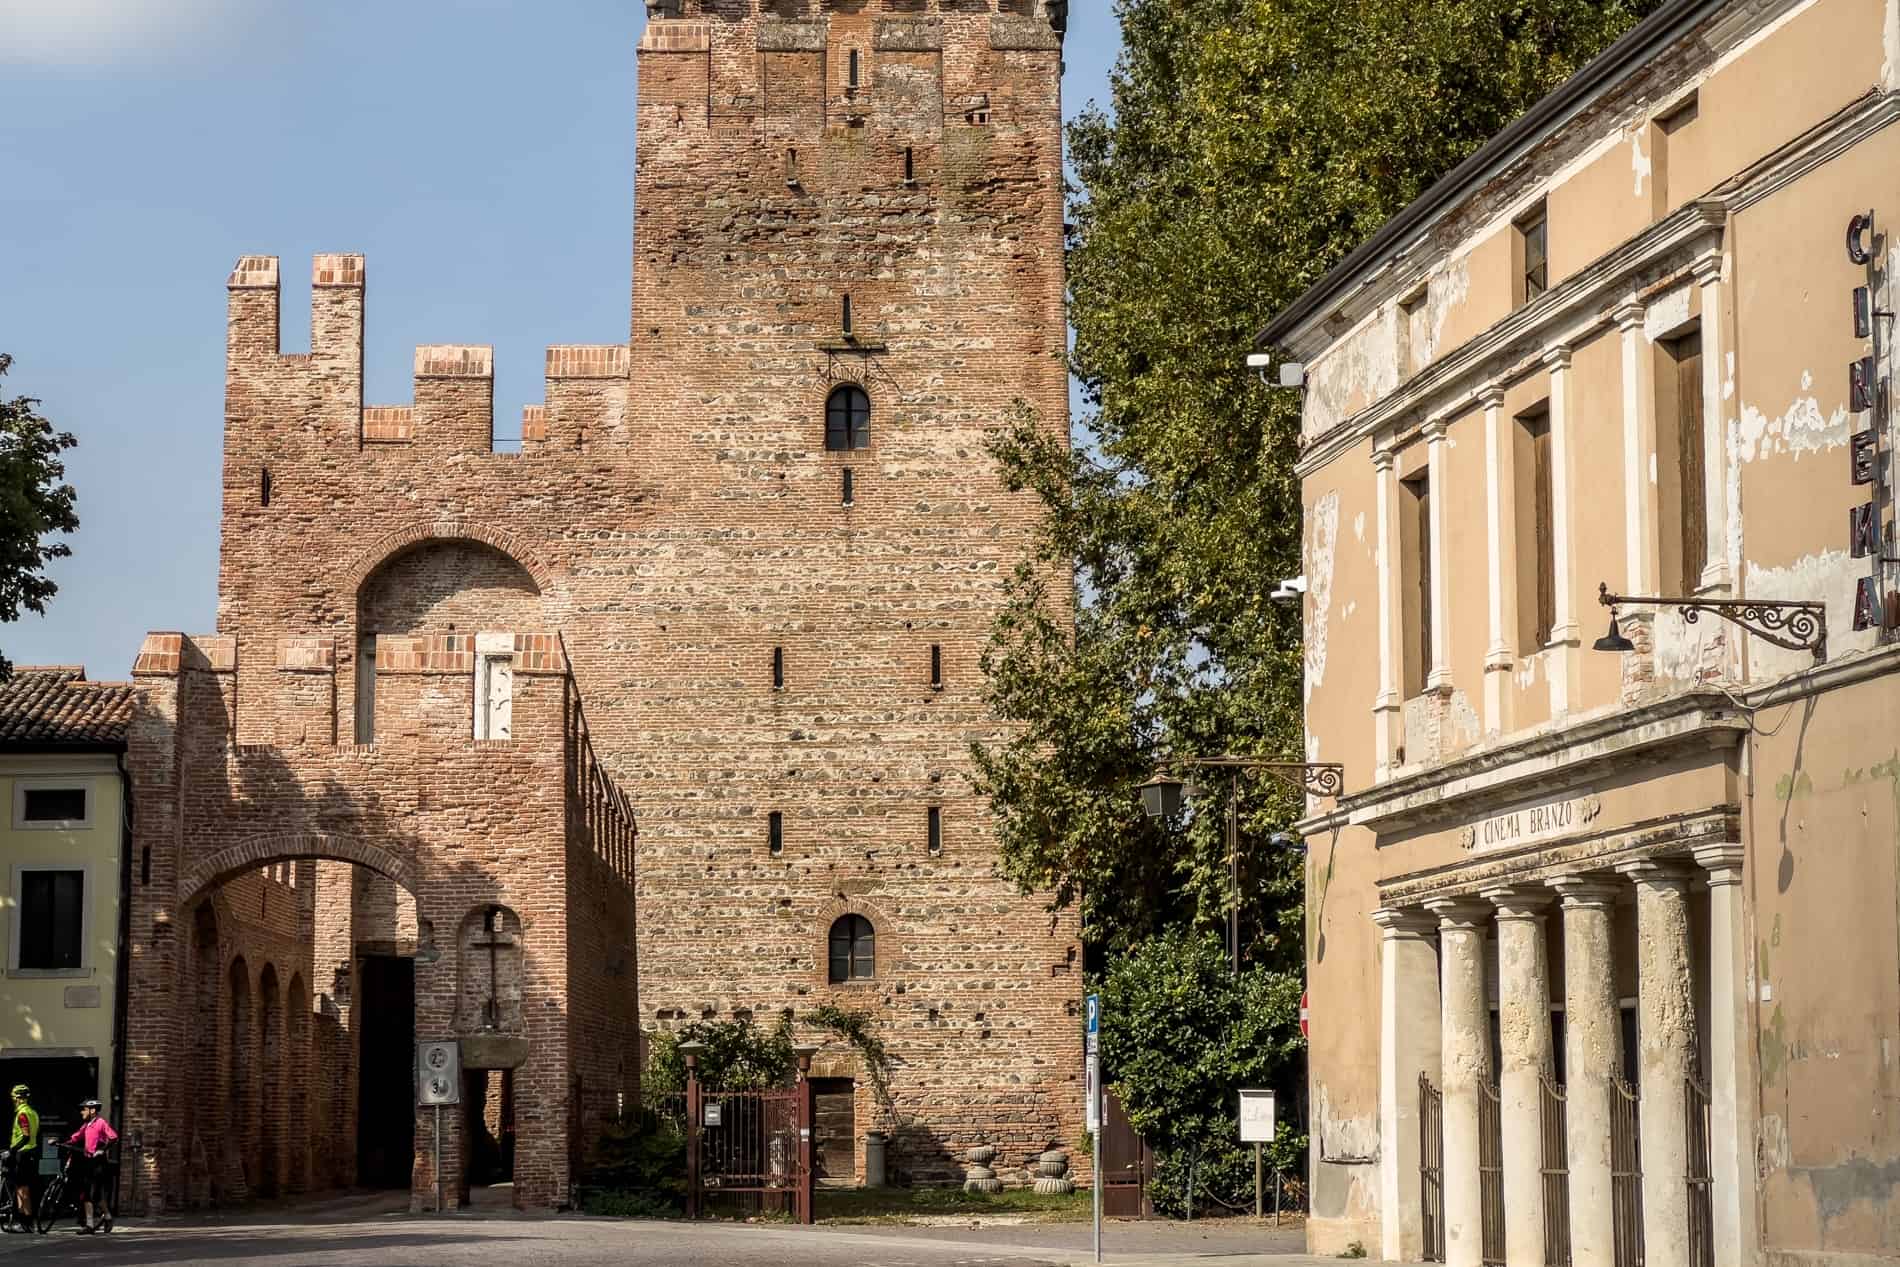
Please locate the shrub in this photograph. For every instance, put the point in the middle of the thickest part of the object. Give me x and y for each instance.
(1181, 1035)
(639, 1168)
(739, 1056)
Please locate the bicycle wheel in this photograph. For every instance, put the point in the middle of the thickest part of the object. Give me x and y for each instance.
(52, 1204)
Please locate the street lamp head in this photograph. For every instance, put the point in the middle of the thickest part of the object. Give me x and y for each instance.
(1287, 840)
(1161, 796)
(1613, 640)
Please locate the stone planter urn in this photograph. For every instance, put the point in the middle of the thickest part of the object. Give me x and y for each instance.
(1052, 1174)
(977, 1175)
(874, 1147)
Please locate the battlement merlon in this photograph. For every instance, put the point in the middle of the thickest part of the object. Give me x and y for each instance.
(1054, 14)
(453, 407)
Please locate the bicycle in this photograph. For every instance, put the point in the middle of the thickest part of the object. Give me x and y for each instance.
(61, 1195)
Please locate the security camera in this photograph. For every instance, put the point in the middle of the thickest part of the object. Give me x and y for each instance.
(1291, 590)
(1287, 840)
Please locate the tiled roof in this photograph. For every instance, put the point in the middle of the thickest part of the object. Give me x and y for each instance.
(56, 707)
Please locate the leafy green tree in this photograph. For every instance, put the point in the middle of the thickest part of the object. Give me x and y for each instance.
(34, 503)
(1181, 1036)
(739, 1056)
(1251, 145)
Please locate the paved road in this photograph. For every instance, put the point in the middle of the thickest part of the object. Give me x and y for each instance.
(404, 1241)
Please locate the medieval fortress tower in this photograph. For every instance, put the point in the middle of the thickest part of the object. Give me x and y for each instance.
(665, 717)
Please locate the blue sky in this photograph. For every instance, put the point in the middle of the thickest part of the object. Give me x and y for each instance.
(479, 152)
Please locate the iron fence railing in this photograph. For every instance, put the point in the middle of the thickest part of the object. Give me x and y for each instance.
(1701, 1176)
(1491, 1172)
(1626, 1173)
(1431, 1168)
(1553, 1113)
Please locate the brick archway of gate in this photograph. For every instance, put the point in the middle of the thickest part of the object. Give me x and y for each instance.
(260, 851)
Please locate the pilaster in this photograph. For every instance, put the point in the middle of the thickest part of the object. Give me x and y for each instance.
(1438, 678)
(1386, 708)
(1731, 1115)
(1715, 572)
(1566, 633)
(1500, 486)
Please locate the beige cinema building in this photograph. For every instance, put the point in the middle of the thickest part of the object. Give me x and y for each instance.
(1604, 958)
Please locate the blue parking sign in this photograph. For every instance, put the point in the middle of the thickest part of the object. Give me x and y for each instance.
(1095, 1014)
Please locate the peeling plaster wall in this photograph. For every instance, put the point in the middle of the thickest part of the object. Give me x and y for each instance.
(1825, 883)
(1342, 612)
(1357, 370)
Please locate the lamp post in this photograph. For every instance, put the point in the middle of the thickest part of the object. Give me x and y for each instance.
(1790, 623)
(1161, 797)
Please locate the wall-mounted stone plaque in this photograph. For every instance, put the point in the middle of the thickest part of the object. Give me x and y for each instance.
(1532, 824)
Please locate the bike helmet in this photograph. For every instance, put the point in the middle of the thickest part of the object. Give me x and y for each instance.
(89, 1104)
(22, 1092)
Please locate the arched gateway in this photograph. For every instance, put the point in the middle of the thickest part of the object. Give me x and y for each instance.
(302, 905)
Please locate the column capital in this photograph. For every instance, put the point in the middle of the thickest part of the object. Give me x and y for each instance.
(1629, 314)
(1708, 269)
(1518, 901)
(1407, 923)
(1490, 394)
(1723, 862)
(1460, 913)
(1384, 459)
(1587, 892)
(1435, 428)
(1556, 357)
(1656, 873)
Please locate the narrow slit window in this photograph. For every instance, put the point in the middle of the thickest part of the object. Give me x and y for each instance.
(263, 487)
(934, 827)
(855, 70)
(791, 168)
(844, 315)
(775, 832)
(850, 494)
(778, 668)
(366, 690)
(936, 666)
(910, 165)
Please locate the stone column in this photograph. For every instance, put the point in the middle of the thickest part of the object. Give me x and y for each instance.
(1409, 1031)
(1465, 1050)
(1642, 544)
(1666, 1029)
(1525, 1043)
(1593, 1059)
(1715, 575)
(1500, 485)
(1387, 712)
(1566, 677)
(1731, 1120)
(1438, 675)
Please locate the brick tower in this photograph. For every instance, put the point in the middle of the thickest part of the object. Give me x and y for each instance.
(841, 205)
(704, 652)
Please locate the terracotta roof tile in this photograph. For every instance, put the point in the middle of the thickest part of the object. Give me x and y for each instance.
(56, 707)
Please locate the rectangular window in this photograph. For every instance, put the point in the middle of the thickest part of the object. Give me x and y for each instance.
(1536, 535)
(1682, 513)
(1533, 255)
(936, 666)
(1415, 539)
(53, 806)
(778, 668)
(935, 827)
(775, 832)
(50, 920)
(494, 696)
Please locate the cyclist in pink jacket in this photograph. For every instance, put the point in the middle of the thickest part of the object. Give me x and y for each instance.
(94, 1136)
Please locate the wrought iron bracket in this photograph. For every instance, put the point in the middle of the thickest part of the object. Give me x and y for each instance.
(1318, 778)
(1792, 623)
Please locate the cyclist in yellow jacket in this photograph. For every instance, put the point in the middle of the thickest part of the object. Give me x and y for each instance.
(23, 1152)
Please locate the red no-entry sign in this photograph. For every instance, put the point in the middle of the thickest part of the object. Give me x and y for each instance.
(1306, 1028)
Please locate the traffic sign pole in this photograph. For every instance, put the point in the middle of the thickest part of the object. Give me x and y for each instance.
(1093, 1081)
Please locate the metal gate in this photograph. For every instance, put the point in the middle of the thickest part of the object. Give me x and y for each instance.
(1491, 1172)
(752, 1149)
(1701, 1176)
(1626, 1174)
(1556, 1171)
(1431, 1168)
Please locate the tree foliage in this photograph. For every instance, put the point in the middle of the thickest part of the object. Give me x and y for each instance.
(35, 503)
(1181, 1036)
(1251, 145)
(739, 1056)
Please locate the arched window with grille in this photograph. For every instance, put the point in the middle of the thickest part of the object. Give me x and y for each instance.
(848, 419)
(853, 949)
